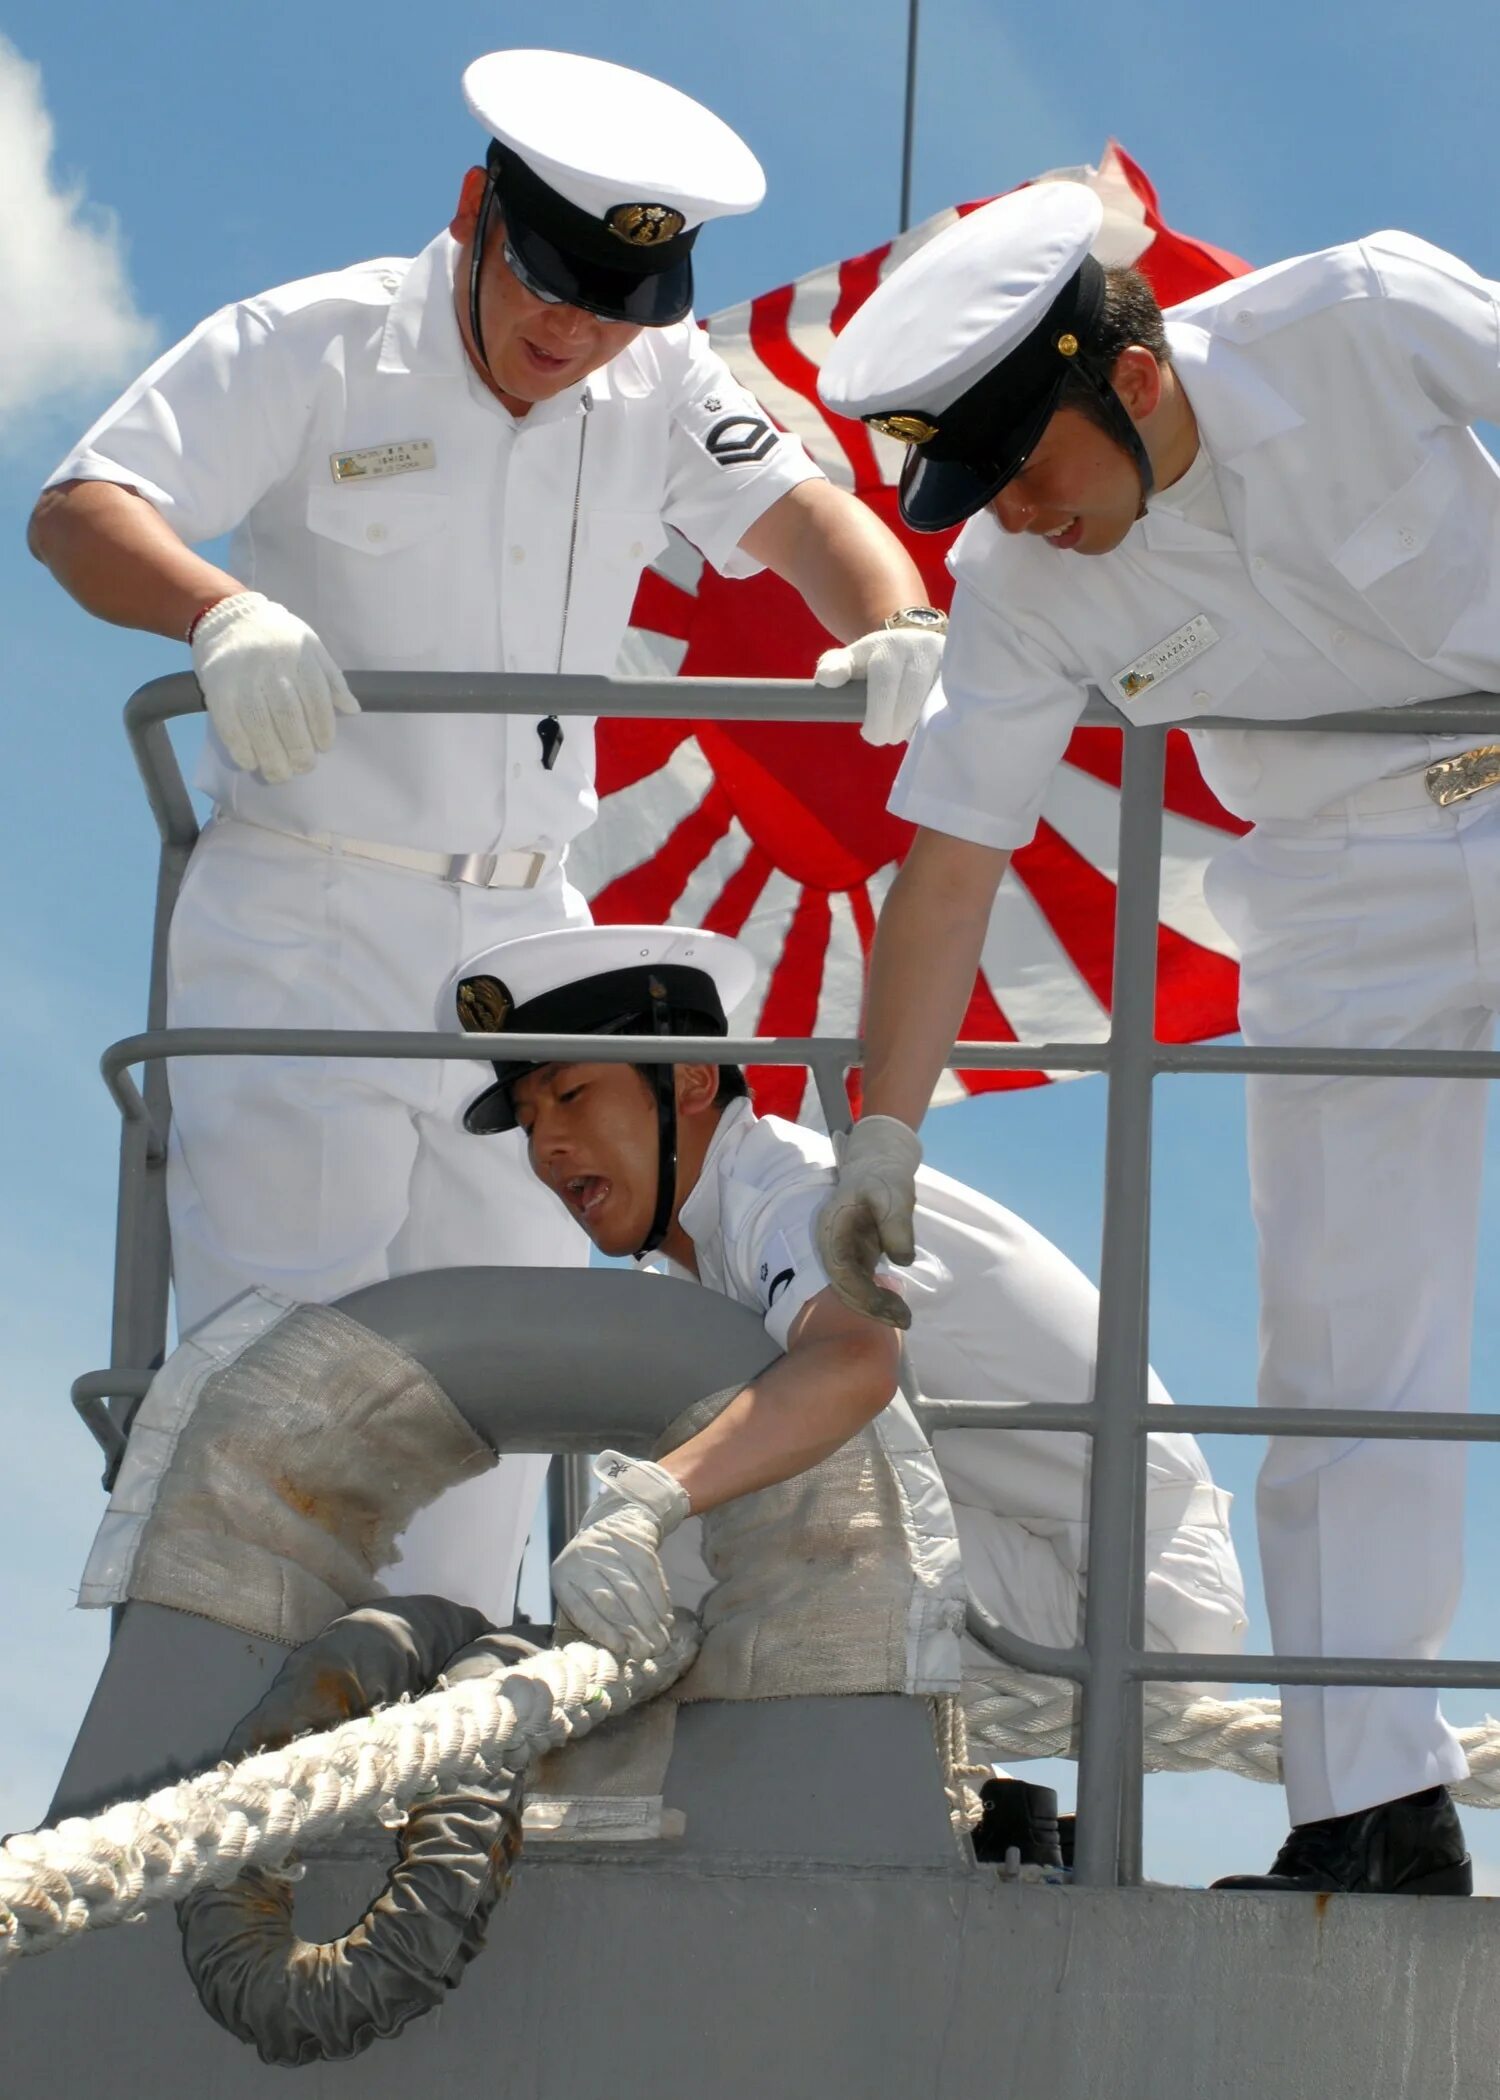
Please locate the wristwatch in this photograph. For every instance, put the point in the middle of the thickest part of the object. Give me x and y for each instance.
(927, 617)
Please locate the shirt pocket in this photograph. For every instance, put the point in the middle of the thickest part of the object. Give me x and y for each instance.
(1415, 560)
(613, 548)
(379, 559)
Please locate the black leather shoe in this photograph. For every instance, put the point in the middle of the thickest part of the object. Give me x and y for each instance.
(1411, 1847)
(1018, 1817)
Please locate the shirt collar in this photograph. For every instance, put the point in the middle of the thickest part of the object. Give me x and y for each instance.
(421, 330)
(421, 337)
(699, 1215)
(1236, 406)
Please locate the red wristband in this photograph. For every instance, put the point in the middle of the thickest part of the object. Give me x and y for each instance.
(192, 627)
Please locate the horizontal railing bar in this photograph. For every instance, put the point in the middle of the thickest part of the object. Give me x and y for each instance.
(547, 693)
(767, 1050)
(1158, 1667)
(1044, 1415)
(1340, 1422)
(484, 1049)
(1329, 1063)
(756, 700)
(1164, 1666)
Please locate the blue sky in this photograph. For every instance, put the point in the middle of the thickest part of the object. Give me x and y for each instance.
(202, 154)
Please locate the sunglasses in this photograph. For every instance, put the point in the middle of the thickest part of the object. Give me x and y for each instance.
(527, 282)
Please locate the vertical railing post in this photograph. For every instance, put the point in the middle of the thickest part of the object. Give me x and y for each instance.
(143, 1255)
(570, 1489)
(143, 1247)
(1110, 1749)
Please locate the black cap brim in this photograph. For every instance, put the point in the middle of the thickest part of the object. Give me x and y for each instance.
(938, 492)
(493, 1111)
(653, 300)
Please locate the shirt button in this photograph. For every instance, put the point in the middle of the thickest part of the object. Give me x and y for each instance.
(515, 771)
(518, 555)
(375, 532)
(1245, 319)
(1339, 637)
(1258, 563)
(637, 550)
(1202, 699)
(1407, 537)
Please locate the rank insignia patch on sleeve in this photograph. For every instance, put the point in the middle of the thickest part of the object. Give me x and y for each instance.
(740, 441)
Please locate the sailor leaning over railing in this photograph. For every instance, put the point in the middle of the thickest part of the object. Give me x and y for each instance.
(458, 462)
(674, 1157)
(1290, 516)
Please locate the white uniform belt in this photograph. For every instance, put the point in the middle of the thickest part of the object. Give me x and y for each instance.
(1448, 780)
(517, 870)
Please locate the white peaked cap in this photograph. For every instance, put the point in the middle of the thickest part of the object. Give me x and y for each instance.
(604, 136)
(962, 303)
(536, 964)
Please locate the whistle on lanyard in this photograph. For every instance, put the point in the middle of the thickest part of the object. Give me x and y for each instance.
(551, 735)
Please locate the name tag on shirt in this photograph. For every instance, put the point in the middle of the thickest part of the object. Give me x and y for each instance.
(1168, 656)
(410, 456)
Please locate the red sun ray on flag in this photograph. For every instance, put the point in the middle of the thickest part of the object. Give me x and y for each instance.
(780, 834)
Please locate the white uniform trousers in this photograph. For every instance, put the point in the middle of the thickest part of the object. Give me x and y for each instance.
(1375, 925)
(314, 1177)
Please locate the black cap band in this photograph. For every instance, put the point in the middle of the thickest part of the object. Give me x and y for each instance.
(629, 266)
(985, 437)
(617, 1002)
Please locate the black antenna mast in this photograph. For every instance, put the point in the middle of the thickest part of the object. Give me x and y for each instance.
(909, 126)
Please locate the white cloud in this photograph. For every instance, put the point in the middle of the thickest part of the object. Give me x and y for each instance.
(71, 323)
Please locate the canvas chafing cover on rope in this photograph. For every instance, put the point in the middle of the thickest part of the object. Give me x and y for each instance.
(278, 1455)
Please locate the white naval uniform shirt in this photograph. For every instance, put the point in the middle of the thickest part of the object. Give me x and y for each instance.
(462, 564)
(1360, 565)
(998, 1312)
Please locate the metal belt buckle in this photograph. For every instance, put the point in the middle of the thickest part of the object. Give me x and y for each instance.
(477, 868)
(1467, 773)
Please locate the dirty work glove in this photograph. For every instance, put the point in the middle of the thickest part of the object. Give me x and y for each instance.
(608, 1579)
(871, 1213)
(270, 687)
(898, 665)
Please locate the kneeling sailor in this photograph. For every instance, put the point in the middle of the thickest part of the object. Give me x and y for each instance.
(673, 1159)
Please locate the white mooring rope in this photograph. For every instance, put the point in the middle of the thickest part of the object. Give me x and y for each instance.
(103, 1870)
(1019, 1716)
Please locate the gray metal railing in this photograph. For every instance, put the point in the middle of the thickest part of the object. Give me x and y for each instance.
(1111, 1666)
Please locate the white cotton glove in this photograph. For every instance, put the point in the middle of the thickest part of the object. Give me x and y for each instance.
(871, 1213)
(608, 1579)
(898, 665)
(270, 687)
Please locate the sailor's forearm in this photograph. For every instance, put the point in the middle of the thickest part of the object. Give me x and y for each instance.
(845, 563)
(927, 949)
(119, 558)
(792, 1417)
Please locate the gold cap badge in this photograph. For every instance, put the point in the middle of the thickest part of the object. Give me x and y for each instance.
(645, 225)
(484, 1005)
(907, 430)
(1067, 343)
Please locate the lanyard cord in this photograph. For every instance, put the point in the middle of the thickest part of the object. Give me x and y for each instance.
(663, 1085)
(550, 729)
(583, 436)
